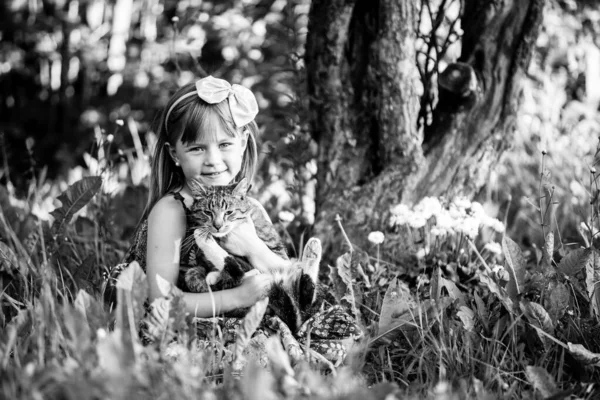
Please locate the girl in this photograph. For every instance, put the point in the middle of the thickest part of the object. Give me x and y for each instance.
(205, 133)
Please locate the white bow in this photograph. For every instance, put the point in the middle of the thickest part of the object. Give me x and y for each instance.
(242, 102)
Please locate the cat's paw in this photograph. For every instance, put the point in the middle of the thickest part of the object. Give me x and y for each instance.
(213, 277)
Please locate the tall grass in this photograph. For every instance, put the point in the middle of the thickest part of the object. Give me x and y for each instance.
(468, 321)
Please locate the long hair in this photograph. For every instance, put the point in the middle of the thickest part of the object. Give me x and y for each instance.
(189, 122)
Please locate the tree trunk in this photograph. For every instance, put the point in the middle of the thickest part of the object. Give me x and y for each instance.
(364, 84)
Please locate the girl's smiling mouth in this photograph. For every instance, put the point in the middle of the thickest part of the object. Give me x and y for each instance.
(211, 174)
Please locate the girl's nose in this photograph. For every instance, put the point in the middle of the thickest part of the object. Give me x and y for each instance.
(212, 157)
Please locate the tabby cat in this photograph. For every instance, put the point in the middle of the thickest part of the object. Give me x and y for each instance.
(215, 212)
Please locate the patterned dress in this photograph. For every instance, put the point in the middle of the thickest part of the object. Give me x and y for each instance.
(329, 332)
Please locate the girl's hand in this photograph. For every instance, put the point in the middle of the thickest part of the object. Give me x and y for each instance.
(255, 286)
(242, 241)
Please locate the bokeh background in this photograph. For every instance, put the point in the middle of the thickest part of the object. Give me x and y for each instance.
(82, 80)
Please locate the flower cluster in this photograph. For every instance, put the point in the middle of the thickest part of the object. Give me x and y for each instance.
(459, 216)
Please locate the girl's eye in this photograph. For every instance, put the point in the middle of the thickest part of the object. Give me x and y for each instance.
(225, 145)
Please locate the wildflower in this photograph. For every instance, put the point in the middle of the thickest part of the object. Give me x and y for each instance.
(470, 227)
(501, 273)
(286, 216)
(417, 221)
(493, 247)
(120, 122)
(429, 207)
(421, 253)
(376, 237)
(400, 215)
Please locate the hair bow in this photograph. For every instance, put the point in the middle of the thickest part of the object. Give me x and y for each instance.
(242, 102)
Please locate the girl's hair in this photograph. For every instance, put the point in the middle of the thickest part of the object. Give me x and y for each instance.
(189, 120)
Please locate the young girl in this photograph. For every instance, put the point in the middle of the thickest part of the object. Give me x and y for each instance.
(205, 133)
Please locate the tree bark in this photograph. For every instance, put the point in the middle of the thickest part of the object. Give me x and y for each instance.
(363, 85)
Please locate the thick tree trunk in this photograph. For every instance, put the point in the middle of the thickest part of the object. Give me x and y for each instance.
(363, 85)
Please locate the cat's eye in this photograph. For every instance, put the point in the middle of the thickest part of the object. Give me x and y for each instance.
(208, 213)
(229, 212)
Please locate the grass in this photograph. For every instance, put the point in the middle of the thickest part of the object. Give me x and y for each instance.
(456, 328)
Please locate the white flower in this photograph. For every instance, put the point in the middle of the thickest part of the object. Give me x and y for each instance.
(421, 253)
(417, 221)
(462, 203)
(400, 215)
(493, 247)
(470, 227)
(286, 216)
(429, 207)
(376, 237)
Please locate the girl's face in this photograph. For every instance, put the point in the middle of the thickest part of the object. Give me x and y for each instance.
(214, 159)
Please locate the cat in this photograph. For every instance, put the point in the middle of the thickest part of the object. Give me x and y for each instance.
(216, 211)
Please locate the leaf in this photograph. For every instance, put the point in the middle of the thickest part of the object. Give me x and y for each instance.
(497, 290)
(482, 311)
(72, 200)
(547, 252)
(573, 263)
(132, 291)
(592, 272)
(515, 263)
(245, 331)
(397, 302)
(557, 299)
(583, 355)
(467, 316)
(453, 290)
(541, 381)
(539, 317)
(341, 276)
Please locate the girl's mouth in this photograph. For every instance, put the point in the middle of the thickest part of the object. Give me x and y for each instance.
(212, 174)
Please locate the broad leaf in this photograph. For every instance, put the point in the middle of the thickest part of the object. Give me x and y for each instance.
(397, 308)
(132, 290)
(72, 200)
(557, 299)
(515, 264)
(584, 355)
(538, 317)
(541, 381)
(573, 263)
(467, 316)
(341, 276)
(497, 290)
(245, 331)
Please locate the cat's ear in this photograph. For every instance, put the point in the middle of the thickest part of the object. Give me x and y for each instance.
(196, 187)
(241, 189)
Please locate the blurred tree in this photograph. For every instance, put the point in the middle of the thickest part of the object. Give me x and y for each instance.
(376, 149)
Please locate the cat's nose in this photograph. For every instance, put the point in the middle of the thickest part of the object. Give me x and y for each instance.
(217, 224)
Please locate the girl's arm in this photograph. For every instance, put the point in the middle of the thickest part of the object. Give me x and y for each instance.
(166, 230)
(243, 241)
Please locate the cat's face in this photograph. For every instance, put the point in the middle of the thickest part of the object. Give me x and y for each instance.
(217, 210)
